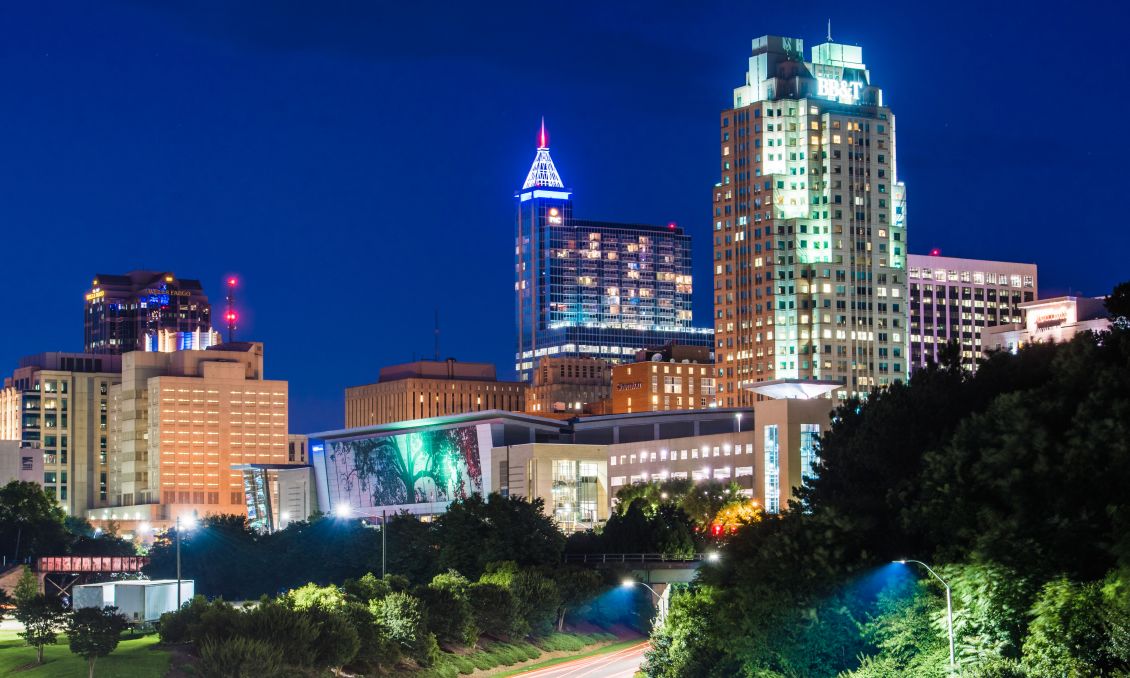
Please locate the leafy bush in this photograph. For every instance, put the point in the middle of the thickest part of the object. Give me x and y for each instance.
(450, 616)
(371, 587)
(376, 650)
(529, 650)
(175, 626)
(402, 619)
(239, 657)
(464, 665)
(496, 611)
(337, 642)
(537, 595)
(312, 595)
(292, 633)
(1067, 635)
(561, 642)
(217, 619)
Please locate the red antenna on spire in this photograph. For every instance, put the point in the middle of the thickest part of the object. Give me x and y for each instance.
(230, 315)
(543, 138)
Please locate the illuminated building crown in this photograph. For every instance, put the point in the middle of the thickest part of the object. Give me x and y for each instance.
(542, 172)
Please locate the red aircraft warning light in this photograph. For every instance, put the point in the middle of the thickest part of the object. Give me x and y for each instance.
(230, 316)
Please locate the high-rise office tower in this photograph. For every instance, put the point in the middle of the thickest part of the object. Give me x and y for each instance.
(179, 421)
(594, 288)
(809, 226)
(122, 309)
(956, 299)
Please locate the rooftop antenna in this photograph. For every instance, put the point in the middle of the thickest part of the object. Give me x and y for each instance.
(437, 334)
(829, 30)
(230, 315)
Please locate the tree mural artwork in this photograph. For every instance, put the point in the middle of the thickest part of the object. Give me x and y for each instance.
(422, 466)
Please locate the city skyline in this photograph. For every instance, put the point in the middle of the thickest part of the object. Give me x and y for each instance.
(288, 171)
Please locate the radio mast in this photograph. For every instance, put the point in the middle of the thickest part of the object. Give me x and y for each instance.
(230, 315)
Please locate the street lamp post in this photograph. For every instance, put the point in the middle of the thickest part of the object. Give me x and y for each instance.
(178, 563)
(188, 524)
(949, 602)
(659, 606)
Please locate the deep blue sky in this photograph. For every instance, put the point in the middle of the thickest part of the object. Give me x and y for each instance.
(354, 162)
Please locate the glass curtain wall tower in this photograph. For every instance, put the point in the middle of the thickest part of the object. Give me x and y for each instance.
(809, 226)
(595, 289)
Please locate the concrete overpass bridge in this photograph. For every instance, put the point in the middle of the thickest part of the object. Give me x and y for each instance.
(655, 570)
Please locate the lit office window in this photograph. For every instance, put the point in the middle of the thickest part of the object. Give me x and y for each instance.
(809, 439)
(772, 471)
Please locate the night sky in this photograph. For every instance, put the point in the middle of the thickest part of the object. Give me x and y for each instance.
(355, 162)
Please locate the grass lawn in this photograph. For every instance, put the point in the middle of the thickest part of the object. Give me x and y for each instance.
(561, 660)
(136, 658)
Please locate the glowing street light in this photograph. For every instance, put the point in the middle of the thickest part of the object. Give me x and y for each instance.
(342, 510)
(629, 583)
(949, 601)
(713, 556)
(660, 603)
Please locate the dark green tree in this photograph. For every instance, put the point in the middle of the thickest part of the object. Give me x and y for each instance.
(402, 619)
(449, 612)
(1118, 302)
(94, 633)
(376, 651)
(704, 501)
(654, 494)
(31, 523)
(537, 595)
(474, 532)
(27, 586)
(496, 611)
(684, 644)
(294, 633)
(412, 549)
(575, 587)
(642, 528)
(371, 587)
(1068, 635)
(337, 641)
(41, 618)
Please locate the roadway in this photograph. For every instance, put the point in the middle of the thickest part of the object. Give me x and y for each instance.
(620, 664)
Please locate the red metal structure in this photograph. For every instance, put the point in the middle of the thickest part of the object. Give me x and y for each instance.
(90, 564)
(63, 572)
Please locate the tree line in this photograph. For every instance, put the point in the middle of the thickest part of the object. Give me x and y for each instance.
(1010, 482)
(380, 625)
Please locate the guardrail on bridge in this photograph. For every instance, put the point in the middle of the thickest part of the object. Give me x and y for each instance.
(594, 558)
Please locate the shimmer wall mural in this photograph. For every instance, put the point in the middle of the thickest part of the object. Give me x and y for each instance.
(412, 468)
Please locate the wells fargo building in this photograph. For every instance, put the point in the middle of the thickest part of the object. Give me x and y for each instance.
(809, 226)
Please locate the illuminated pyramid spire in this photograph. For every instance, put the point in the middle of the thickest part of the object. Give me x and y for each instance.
(542, 172)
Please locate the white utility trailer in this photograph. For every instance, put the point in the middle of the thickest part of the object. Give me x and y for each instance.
(139, 600)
